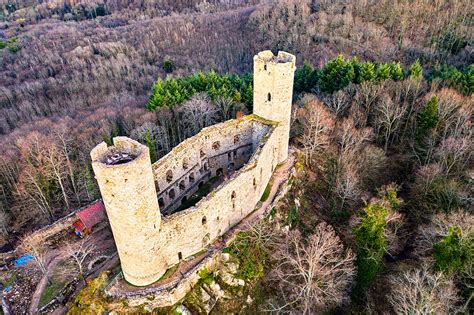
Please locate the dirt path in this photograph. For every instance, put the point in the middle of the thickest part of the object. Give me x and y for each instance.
(103, 239)
(56, 257)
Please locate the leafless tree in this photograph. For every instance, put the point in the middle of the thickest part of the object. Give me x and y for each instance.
(388, 119)
(313, 274)
(227, 107)
(454, 154)
(197, 113)
(79, 251)
(421, 291)
(338, 102)
(317, 124)
(34, 244)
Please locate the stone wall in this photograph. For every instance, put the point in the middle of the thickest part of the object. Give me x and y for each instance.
(245, 151)
(191, 230)
(129, 196)
(273, 92)
(217, 150)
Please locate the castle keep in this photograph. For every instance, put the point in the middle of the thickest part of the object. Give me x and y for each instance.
(164, 212)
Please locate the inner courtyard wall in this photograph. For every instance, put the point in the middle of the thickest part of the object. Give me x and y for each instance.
(189, 231)
(217, 150)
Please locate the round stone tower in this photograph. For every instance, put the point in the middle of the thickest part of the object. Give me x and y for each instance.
(124, 174)
(273, 92)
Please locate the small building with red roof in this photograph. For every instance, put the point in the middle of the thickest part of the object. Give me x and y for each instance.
(88, 217)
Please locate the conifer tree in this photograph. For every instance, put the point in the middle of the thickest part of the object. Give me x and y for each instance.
(367, 72)
(415, 70)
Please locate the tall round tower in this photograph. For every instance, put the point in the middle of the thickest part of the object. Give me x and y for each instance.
(124, 174)
(273, 92)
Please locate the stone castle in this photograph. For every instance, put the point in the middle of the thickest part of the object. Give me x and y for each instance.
(154, 213)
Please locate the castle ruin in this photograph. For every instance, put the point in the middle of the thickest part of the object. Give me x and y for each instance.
(155, 212)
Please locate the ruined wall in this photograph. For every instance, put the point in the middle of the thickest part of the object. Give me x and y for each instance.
(191, 230)
(222, 148)
(247, 150)
(129, 196)
(273, 91)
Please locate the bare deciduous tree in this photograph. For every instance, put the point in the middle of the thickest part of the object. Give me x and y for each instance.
(197, 113)
(317, 124)
(421, 291)
(34, 244)
(79, 251)
(388, 119)
(453, 154)
(313, 274)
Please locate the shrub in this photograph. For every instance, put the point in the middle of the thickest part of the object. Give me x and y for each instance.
(168, 66)
(252, 254)
(206, 276)
(454, 252)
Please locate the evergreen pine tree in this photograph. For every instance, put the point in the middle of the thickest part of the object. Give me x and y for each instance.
(415, 70)
(396, 71)
(367, 72)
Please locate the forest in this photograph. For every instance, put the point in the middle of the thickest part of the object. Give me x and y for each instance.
(382, 125)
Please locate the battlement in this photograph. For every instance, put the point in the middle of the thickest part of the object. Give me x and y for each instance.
(267, 56)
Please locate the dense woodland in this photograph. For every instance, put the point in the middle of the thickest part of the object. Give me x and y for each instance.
(382, 122)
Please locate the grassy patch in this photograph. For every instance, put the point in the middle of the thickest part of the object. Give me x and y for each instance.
(11, 280)
(169, 272)
(50, 292)
(206, 276)
(11, 44)
(252, 255)
(266, 193)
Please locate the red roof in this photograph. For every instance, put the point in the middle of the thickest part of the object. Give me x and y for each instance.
(79, 226)
(91, 215)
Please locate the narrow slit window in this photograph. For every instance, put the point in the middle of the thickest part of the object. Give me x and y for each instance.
(269, 97)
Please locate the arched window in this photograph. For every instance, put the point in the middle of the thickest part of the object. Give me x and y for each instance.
(219, 172)
(231, 167)
(180, 256)
(269, 97)
(161, 202)
(206, 166)
(201, 153)
(182, 185)
(216, 145)
(169, 176)
(229, 156)
(185, 163)
(232, 196)
(265, 67)
(191, 177)
(236, 139)
(204, 220)
(172, 194)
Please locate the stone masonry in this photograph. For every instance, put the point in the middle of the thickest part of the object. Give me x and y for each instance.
(146, 204)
